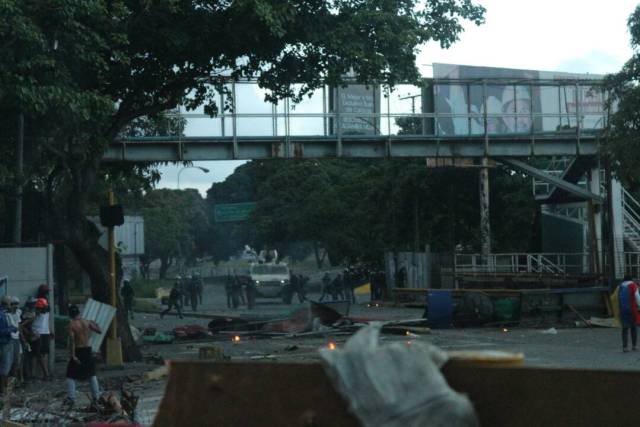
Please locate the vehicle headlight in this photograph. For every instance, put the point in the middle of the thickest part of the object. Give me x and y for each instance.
(257, 282)
(282, 281)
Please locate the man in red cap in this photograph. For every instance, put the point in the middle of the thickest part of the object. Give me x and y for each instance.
(40, 327)
(43, 291)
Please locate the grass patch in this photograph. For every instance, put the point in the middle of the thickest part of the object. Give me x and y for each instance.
(147, 288)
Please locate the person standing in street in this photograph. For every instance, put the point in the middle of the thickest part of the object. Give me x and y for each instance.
(6, 349)
(629, 301)
(326, 282)
(28, 337)
(192, 288)
(15, 316)
(127, 294)
(81, 366)
(199, 286)
(40, 346)
(174, 300)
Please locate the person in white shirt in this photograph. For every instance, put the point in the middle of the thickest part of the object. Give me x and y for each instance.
(40, 327)
(14, 315)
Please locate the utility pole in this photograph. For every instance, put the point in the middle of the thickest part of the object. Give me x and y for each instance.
(17, 221)
(611, 244)
(485, 224)
(413, 101)
(114, 346)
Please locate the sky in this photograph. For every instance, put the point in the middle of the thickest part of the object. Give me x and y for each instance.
(579, 36)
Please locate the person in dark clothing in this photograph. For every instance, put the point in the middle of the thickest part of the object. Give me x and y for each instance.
(401, 277)
(174, 301)
(199, 286)
(127, 294)
(192, 289)
(297, 285)
(336, 288)
(228, 288)
(348, 283)
(302, 281)
(376, 286)
(326, 284)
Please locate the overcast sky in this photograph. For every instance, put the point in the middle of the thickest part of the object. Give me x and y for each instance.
(580, 36)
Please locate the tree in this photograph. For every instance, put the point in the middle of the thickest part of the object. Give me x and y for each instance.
(176, 226)
(358, 209)
(80, 72)
(623, 147)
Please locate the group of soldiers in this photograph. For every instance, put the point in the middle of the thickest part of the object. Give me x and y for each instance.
(238, 290)
(343, 285)
(187, 291)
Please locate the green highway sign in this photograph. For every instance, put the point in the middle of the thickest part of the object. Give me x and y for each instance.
(229, 212)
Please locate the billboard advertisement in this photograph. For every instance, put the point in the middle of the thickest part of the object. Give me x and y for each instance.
(352, 100)
(516, 106)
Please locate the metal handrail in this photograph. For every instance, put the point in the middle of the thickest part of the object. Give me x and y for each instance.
(537, 263)
(478, 121)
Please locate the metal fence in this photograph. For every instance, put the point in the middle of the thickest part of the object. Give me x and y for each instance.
(524, 263)
(438, 108)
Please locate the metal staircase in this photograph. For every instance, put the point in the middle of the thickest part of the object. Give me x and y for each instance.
(568, 168)
(631, 220)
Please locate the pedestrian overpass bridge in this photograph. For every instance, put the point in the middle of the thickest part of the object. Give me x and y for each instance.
(474, 121)
(441, 118)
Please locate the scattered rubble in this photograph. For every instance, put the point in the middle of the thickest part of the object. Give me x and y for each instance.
(156, 374)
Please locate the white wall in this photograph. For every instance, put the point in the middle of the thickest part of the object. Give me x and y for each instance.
(26, 269)
(130, 234)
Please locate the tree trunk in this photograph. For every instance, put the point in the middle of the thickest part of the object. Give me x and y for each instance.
(81, 237)
(319, 258)
(62, 287)
(94, 260)
(165, 263)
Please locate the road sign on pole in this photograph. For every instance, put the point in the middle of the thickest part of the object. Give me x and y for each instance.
(230, 212)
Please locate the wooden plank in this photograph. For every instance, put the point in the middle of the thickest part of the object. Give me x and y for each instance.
(580, 316)
(250, 394)
(267, 394)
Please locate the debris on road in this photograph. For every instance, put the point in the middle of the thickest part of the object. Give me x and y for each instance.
(608, 322)
(580, 316)
(211, 353)
(550, 331)
(158, 338)
(398, 383)
(156, 374)
(191, 332)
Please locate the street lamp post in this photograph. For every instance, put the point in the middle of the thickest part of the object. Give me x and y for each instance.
(205, 170)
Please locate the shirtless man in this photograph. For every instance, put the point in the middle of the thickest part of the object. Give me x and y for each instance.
(81, 364)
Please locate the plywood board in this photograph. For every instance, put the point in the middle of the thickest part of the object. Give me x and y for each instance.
(102, 314)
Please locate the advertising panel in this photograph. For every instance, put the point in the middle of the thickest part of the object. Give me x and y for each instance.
(352, 100)
(514, 107)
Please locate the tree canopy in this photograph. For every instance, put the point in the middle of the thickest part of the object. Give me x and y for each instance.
(176, 226)
(358, 209)
(624, 99)
(80, 72)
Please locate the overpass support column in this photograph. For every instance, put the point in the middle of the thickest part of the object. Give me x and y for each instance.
(485, 226)
(595, 222)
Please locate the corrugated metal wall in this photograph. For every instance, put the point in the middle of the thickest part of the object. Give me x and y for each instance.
(129, 236)
(415, 263)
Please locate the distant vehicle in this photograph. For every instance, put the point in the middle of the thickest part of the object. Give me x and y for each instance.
(270, 281)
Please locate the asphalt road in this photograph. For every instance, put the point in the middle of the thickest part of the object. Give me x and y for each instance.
(578, 348)
(598, 348)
